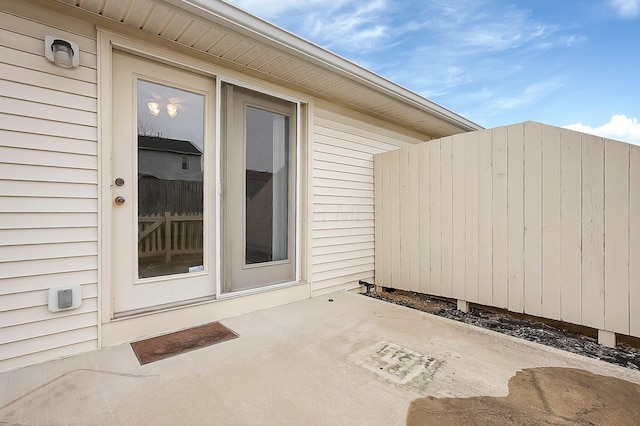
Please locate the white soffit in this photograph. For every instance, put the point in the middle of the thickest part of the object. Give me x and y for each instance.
(250, 42)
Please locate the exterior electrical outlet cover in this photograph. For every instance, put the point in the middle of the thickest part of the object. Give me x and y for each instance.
(65, 298)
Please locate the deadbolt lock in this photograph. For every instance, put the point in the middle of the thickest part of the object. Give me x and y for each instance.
(119, 181)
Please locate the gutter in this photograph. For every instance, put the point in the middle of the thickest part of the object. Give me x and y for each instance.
(244, 22)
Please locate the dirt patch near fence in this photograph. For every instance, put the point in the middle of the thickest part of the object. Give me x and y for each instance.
(539, 396)
(625, 355)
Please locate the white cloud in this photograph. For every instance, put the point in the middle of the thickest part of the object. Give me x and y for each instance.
(627, 9)
(467, 42)
(528, 95)
(354, 26)
(347, 25)
(480, 28)
(620, 127)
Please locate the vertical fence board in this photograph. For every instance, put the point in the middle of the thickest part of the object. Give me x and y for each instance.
(551, 222)
(414, 218)
(500, 217)
(424, 219)
(446, 217)
(571, 227)
(485, 219)
(405, 216)
(533, 218)
(616, 234)
(593, 231)
(515, 217)
(394, 200)
(471, 203)
(458, 180)
(435, 234)
(634, 241)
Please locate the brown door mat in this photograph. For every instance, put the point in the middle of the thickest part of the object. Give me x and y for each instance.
(168, 345)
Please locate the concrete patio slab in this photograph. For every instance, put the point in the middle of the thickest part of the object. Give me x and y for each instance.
(350, 361)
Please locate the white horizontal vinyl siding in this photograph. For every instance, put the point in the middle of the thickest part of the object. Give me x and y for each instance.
(48, 191)
(344, 144)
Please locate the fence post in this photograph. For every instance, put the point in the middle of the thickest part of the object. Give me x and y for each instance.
(167, 236)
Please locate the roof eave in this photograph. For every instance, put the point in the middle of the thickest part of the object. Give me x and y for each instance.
(239, 20)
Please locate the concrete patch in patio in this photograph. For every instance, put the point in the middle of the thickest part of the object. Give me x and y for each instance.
(395, 363)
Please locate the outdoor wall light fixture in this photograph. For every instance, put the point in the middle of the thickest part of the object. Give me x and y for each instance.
(64, 53)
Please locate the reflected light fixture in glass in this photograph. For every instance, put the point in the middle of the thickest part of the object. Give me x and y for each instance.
(154, 108)
(172, 110)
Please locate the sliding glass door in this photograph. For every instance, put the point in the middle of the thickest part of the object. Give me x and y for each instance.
(259, 187)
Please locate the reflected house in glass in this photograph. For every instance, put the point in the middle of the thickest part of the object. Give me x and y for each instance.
(169, 159)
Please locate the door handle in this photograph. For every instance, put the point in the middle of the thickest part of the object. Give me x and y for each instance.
(120, 200)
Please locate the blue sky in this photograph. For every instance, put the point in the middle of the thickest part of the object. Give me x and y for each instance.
(572, 63)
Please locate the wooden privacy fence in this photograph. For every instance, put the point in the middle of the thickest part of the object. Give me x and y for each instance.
(530, 218)
(159, 195)
(168, 235)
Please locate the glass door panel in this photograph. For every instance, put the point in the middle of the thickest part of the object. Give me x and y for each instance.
(170, 180)
(267, 186)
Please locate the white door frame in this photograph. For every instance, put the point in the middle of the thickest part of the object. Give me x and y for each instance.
(220, 294)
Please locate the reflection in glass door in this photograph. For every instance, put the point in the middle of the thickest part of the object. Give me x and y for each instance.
(170, 180)
(267, 186)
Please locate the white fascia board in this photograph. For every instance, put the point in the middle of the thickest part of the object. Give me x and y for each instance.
(236, 19)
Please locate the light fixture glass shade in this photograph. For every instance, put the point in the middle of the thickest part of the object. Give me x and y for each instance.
(172, 110)
(64, 53)
(154, 108)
